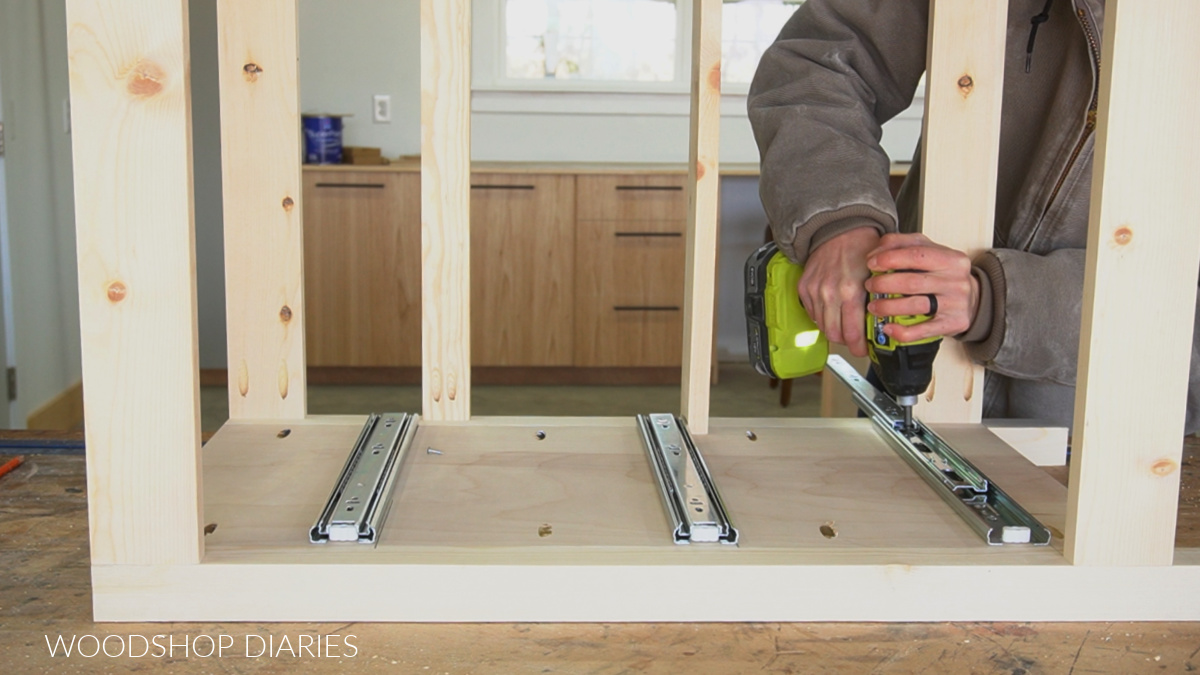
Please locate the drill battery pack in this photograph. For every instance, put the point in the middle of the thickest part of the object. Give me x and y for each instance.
(784, 342)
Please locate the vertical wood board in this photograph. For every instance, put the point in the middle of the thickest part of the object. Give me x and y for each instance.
(960, 151)
(1143, 255)
(131, 139)
(260, 169)
(700, 273)
(445, 210)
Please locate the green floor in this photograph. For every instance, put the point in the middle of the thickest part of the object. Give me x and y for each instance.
(740, 392)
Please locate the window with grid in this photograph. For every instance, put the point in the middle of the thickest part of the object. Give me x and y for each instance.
(628, 41)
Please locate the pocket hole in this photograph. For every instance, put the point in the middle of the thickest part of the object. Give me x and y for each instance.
(283, 433)
(751, 435)
(541, 435)
(210, 528)
(828, 531)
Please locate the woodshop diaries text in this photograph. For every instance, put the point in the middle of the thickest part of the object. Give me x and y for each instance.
(203, 646)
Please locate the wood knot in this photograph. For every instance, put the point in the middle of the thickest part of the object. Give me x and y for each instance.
(285, 314)
(544, 530)
(965, 85)
(250, 71)
(146, 79)
(1123, 235)
(288, 203)
(116, 292)
(699, 169)
(714, 78)
(1163, 467)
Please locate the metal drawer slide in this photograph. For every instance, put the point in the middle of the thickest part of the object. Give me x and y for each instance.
(980, 502)
(360, 498)
(688, 491)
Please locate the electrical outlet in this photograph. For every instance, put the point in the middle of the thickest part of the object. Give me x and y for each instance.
(383, 108)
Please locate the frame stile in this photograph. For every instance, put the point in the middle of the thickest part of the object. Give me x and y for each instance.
(131, 141)
(965, 85)
(264, 250)
(703, 210)
(446, 210)
(1143, 254)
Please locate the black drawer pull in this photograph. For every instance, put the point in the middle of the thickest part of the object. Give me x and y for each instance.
(658, 188)
(646, 308)
(649, 234)
(502, 187)
(379, 186)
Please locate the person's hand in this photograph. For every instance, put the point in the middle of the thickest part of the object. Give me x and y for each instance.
(832, 290)
(944, 272)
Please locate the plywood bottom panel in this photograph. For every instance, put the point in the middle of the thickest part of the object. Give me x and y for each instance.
(587, 484)
(504, 526)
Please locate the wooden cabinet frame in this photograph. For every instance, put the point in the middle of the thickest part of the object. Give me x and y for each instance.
(151, 491)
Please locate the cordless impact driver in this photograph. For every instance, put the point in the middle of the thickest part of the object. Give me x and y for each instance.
(784, 341)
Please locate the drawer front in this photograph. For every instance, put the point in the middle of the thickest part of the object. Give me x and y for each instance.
(629, 293)
(362, 260)
(632, 197)
(522, 260)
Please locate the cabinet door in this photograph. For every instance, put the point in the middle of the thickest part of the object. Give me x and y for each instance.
(362, 268)
(629, 267)
(522, 259)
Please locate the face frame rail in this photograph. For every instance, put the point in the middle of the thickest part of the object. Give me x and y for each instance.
(359, 501)
(688, 491)
(980, 502)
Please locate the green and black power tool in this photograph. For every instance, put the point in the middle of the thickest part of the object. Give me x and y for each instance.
(784, 341)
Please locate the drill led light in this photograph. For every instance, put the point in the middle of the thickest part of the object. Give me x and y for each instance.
(807, 338)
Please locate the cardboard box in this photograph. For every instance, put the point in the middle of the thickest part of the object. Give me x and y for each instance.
(359, 155)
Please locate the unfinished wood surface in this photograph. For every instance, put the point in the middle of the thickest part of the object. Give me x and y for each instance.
(446, 209)
(362, 268)
(961, 146)
(836, 400)
(700, 271)
(1040, 443)
(522, 284)
(131, 140)
(260, 178)
(1142, 258)
(586, 484)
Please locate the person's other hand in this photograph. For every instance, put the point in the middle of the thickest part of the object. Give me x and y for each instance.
(832, 290)
(944, 272)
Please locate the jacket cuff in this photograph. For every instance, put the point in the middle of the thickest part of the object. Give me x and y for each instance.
(983, 339)
(825, 226)
(981, 323)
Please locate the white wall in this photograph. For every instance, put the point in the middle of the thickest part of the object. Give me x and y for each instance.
(41, 219)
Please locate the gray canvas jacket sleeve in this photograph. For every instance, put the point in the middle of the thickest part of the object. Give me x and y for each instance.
(819, 98)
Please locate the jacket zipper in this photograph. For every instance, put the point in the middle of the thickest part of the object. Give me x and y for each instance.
(1088, 127)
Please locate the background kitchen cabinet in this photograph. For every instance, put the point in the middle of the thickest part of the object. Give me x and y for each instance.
(629, 265)
(522, 269)
(362, 267)
(568, 269)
